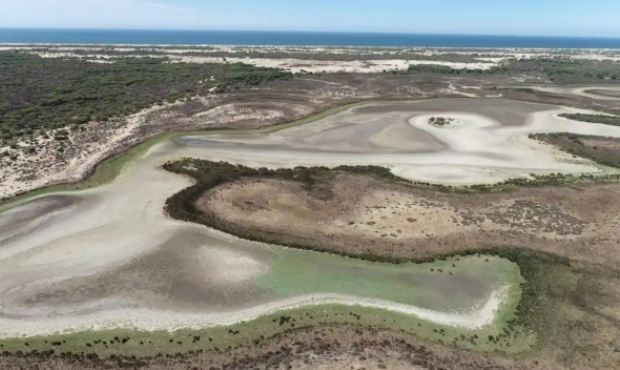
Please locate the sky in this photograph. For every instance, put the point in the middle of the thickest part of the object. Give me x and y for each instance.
(494, 17)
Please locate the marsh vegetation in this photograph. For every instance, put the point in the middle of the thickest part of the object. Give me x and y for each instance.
(603, 150)
(593, 118)
(566, 296)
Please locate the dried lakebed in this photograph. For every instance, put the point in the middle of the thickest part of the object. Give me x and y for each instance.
(108, 258)
(486, 141)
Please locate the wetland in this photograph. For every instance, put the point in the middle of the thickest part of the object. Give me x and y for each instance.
(365, 217)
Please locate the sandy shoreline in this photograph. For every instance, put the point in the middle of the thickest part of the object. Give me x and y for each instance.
(114, 136)
(297, 65)
(151, 320)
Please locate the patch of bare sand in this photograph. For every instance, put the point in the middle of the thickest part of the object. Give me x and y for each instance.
(71, 160)
(295, 65)
(49, 164)
(103, 317)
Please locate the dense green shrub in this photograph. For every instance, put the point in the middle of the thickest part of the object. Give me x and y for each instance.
(593, 118)
(40, 93)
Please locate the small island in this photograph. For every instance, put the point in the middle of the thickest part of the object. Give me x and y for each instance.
(440, 121)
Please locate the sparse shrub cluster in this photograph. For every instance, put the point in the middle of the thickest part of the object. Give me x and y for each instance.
(440, 121)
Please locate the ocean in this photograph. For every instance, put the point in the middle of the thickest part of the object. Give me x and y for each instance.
(187, 37)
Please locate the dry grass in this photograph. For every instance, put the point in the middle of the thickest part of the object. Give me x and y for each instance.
(357, 215)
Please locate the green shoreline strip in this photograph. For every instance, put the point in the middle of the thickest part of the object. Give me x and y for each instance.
(501, 336)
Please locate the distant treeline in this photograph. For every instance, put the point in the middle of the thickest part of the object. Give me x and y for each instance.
(552, 69)
(47, 93)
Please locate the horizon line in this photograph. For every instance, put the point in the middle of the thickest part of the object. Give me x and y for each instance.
(306, 32)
